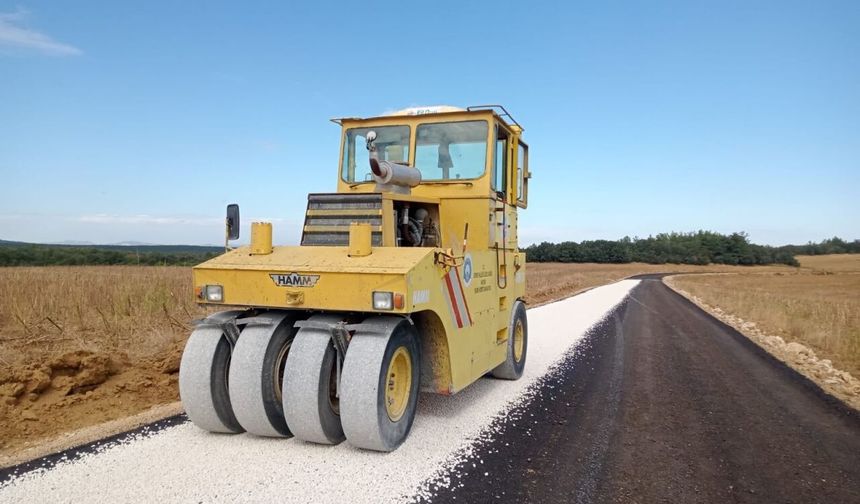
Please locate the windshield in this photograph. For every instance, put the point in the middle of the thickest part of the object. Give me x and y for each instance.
(392, 144)
(451, 151)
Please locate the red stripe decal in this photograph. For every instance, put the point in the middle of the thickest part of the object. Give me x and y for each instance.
(463, 293)
(453, 301)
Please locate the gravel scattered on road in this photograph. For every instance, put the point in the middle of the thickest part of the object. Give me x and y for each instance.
(184, 463)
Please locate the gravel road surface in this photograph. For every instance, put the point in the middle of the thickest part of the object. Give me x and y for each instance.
(181, 463)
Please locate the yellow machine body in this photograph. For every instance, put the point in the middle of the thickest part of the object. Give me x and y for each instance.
(459, 292)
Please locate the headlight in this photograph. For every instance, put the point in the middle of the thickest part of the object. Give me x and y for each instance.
(214, 293)
(383, 301)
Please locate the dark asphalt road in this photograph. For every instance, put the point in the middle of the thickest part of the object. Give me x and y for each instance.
(663, 403)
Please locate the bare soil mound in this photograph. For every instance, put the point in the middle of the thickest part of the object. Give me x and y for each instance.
(78, 389)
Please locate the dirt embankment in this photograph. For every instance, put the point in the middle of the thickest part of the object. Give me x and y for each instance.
(84, 345)
(79, 389)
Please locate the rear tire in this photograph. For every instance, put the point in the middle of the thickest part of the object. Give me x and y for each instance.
(311, 408)
(518, 339)
(203, 373)
(379, 384)
(256, 375)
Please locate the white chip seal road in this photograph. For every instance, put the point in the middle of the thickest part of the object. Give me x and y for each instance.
(187, 464)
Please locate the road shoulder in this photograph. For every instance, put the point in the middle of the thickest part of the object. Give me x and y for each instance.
(70, 441)
(799, 357)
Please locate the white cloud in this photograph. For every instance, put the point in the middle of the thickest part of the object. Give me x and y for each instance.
(17, 37)
(267, 145)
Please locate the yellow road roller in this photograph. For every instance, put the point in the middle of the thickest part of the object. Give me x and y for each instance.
(407, 279)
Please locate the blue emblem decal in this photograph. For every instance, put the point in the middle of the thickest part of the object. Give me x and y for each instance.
(467, 269)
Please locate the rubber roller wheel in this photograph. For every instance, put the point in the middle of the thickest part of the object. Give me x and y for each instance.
(379, 384)
(256, 374)
(311, 405)
(518, 339)
(203, 381)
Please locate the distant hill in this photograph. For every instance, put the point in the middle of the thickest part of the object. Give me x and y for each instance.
(131, 243)
(72, 242)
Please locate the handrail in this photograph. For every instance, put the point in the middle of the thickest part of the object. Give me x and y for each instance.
(504, 113)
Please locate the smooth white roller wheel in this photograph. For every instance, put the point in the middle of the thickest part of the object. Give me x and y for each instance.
(379, 384)
(311, 405)
(203, 374)
(256, 374)
(517, 346)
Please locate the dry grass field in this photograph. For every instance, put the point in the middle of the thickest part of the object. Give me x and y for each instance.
(817, 305)
(140, 311)
(829, 264)
(83, 345)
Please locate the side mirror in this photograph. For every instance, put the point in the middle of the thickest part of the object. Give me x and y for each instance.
(232, 222)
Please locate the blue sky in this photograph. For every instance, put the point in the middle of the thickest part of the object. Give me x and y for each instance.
(141, 120)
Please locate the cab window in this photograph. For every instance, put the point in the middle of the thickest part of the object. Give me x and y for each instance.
(522, 170)
(392, 144)
(451, 151)
(500, 162)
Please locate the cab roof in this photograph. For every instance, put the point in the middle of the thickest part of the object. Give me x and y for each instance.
(498, 110)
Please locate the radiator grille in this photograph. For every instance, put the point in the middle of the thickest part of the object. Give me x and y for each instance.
(329, 215)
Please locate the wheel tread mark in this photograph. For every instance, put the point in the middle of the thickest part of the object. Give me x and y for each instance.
(596, 454)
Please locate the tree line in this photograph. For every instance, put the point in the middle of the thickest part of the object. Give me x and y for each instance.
(833, 245)
(47, 255)
(701, 247)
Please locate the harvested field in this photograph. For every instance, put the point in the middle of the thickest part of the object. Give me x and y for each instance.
(833, 263)
(135, 310)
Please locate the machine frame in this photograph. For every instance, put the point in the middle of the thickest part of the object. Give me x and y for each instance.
(463, 295)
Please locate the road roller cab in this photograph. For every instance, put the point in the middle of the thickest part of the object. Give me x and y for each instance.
(408, 277)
